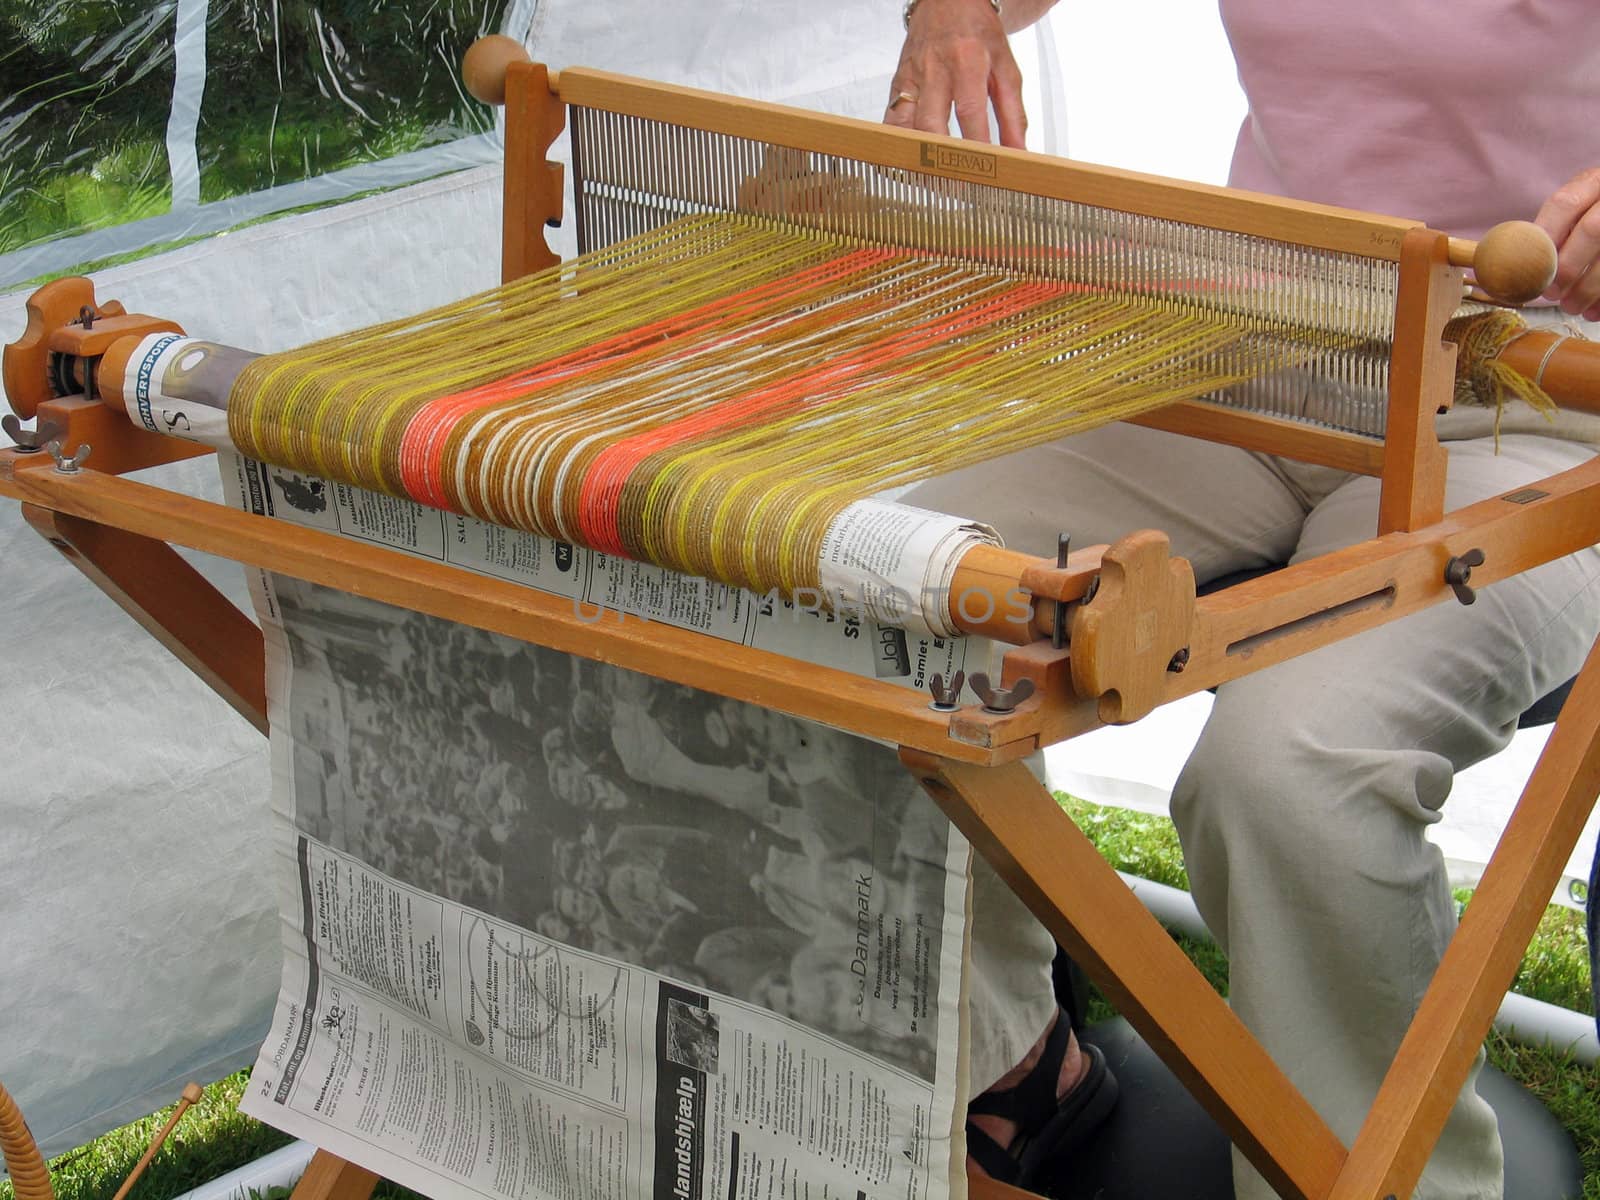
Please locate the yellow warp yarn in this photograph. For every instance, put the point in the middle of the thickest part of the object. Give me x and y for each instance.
(710, 395)
(1481, 378)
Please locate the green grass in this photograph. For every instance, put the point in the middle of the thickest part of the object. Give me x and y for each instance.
(1556, 967)
(212, 1139)
(129, 182)
(90, 266)
(215, 1138)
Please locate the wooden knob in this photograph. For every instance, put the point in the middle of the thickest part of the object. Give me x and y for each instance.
(1514, 262)
(484, 65)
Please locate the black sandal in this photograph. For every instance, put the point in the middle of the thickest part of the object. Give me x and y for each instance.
(1047, 1129)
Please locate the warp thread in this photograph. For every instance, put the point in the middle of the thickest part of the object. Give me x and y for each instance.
(709, 396)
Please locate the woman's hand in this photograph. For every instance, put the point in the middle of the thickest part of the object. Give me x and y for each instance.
(1572, 219)
(956, 56)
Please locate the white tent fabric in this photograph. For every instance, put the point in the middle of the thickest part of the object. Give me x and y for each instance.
(141, 950)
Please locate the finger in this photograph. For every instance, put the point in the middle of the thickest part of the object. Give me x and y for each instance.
(970, 64)
(972, 114)
(1576, 272)
(1578, 266)
(933, 103)
(901, 111)
(1569, 216)
(903, 83)
(1583, 297)
(1568, 202)
(1005, 93)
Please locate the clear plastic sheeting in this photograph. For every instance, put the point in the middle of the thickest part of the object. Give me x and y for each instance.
(297, 90)
(85, 93)
(130, 125)
(126, 126)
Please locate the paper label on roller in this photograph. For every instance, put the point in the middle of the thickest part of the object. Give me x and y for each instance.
(178, 386)
(893, 563)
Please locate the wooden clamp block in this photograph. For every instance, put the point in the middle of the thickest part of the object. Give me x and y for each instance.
(1134, 628)
(59, 330)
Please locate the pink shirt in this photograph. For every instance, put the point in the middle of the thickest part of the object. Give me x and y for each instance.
(1460, 114)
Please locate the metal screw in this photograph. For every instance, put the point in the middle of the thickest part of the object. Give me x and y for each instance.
(1058, 628)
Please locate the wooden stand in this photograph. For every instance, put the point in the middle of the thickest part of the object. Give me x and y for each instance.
(119, 533)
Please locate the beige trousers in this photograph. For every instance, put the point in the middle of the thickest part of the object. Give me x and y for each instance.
(1303, 808)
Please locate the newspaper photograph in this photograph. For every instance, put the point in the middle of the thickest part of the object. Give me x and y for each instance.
(553, 928)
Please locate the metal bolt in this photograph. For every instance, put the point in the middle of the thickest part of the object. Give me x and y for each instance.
(1180, 660)
(1058, 628)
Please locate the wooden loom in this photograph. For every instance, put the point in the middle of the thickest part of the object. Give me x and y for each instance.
(1139, 637)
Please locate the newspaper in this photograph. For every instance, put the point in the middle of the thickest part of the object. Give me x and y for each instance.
(553, 928)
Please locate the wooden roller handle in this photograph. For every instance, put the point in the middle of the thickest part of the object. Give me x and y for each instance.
(1512, 263)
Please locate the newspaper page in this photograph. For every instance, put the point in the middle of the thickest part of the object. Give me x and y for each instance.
(553, 928)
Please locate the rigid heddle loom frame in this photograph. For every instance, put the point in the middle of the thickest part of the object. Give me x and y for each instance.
(1128, 608)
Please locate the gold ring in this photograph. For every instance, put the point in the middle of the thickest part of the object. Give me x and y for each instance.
(900, 98)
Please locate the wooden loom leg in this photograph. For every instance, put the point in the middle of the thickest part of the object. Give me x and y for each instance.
(329, 1177)
(1456, 1011)
(153, 584)
(1054, 869)
(981, 1187)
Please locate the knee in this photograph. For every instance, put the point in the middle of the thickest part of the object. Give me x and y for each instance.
(1301, 804)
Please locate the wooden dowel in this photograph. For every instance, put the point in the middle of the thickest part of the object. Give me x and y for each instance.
(191, 1094)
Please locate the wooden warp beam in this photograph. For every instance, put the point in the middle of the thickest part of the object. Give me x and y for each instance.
(710, 396)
